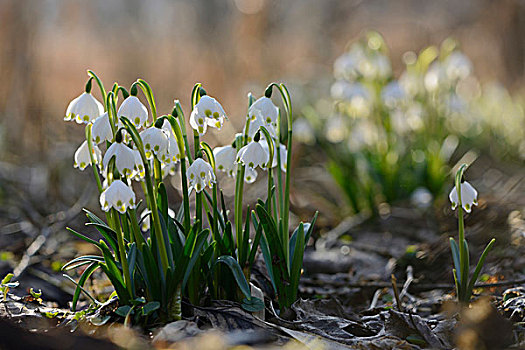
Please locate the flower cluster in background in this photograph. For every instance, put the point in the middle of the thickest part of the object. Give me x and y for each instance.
(391, 137)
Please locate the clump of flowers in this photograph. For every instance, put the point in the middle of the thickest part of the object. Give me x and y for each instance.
(155, 258)
(390, 137)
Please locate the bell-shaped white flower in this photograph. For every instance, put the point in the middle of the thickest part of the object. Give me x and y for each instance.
(469, 196)
(268, 110)
(253, 155)
(134, 110)
(138, 172)
(118, 196)
(155, 141)
(225, 159)
(256, 120)
(200, 174)
(207, 112)
(283, 154)
(173, 153)
(250, 175)
(124, 158)
(101, 130)
(392, 94)
(82, 158)
(84, 109)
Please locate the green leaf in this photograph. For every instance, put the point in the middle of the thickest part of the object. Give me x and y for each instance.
(35, 294)
(82, 259)
(83, 237)
(455, 256)
(236, 270)
(252, 305)
(297, 264)
(7, 278)
(479, 266)
(255, 244)
(82, 280)
(150, 307)
(124, 310)
(106, 232)
(195, 254)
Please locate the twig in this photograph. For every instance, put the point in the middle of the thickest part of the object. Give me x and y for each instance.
(396, 293)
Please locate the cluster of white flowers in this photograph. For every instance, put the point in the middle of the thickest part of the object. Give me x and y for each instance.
(160, 143)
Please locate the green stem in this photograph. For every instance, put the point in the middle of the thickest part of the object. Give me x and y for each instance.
(122, 251)
(136, 228)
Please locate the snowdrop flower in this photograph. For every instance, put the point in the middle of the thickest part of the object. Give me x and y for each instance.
(457, 66)
(172, 153)
(134, 110)
(200, 174)
(207, 112)
(392, 94)
(253, 155)
(145, 217)
(138, 169)
(225, 159)
(268, 110)
(84, 109)
(155, 141)
(256, 120)
(118, 196)
(283, 153)
(82, 158)
(124, 158)
(101, 130)
(469, 196)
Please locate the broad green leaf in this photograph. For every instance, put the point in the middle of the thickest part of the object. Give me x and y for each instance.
(237, 274)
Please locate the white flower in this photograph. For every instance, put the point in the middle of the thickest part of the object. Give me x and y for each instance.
(268, 110)
(469, 196)
(200, 174)
(124, 158)
(207, 112)
(84, 109)
(82, 158)
(118, 196)
(134, 110)
(145, 217)
(225, 159)
(392, 94)
(101, 130)
(138, 169)
(256, 120)
(435, 77)
(282, 151)
(253, 155)
(457, 66)
(346, 65)
(155, 141)
(172, 153)
(303, 131)
(250, 175)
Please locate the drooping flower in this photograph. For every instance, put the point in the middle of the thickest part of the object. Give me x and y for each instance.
(118, 196)
(392, 94)
(173, 153)
(250, 175)
(225, 159)
(207, 112)
(200, 174)
(84, 109)
(124, 158)
(268, 110)
(469, 196)
(256, 120)
(155, 141)
(82, 158)
(138, 169)
(253, 155)
(101, 130)
(283, 154)
(134, 110)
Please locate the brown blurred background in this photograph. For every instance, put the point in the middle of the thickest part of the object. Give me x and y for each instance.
(231, 46)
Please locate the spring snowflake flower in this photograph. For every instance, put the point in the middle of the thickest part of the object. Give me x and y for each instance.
(392, 94)
(346, 66)
(134, 110)
(156, 141)
(200, 174)
(207, 112)
(256, 120)
(118, 196)
(457, 66)
(84, 109)
(268, 110)
(101, 130)
(172, 153)
(469, 196)
(124, 158)
(138, 169)
(82, 158)
(253, 155)
(250, 175)
(283, 154)
(435, 78)
(225, 159)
